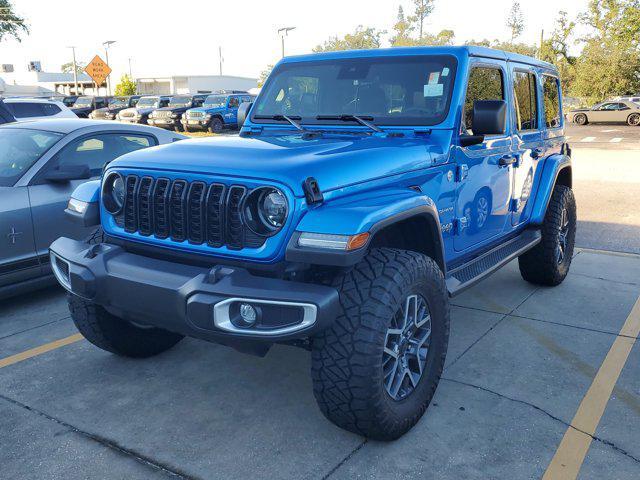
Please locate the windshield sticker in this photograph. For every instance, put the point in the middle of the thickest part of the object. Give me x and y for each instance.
(434, 77)
(445, 71)
(434, 90)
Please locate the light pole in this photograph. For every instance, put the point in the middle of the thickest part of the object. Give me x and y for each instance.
(107, 44)
(284, 32)
(75, 69)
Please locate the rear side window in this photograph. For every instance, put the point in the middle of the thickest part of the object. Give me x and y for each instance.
(26, 110)
(233, 102)
(551, 93)
(50, 109)
(525, 95)
(485, 83)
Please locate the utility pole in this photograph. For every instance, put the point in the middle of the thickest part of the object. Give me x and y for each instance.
(220, 56)
(75, 69)
(284, 32)
(130, 74)
(541, 42)
(107, 44)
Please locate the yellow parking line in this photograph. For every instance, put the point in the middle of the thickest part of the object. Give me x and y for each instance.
(575, 444)
(18, 357)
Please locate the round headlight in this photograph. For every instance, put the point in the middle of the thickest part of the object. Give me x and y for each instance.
(265, 211)
(113, 193)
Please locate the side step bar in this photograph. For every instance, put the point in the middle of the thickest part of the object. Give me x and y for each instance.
(466, 275)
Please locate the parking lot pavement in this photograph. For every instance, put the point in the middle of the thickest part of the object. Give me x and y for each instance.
(521, 361)
(611, 136)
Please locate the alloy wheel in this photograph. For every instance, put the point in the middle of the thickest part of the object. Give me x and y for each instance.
(406, 347)
(562, 236)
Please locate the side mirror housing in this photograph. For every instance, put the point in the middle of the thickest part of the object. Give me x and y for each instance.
(489, 117)
(243, 112)
(68, 173)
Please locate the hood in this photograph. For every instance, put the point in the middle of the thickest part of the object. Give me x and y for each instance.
(206, 110)
(143, 110)
(335, 161)
(82, 109)
(172, 109)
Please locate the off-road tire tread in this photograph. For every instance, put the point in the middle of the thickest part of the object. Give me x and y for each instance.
(346, 365)
(539, 265)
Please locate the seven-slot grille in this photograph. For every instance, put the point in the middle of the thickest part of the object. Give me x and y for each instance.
(191, 114)
(195, 211)
(162, 113)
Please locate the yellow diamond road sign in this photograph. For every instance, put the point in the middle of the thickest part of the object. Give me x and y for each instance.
(98, 70)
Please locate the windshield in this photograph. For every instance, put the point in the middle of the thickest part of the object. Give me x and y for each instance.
(215, 101)
(400, 90)
(118, 102)
(20, 149)
(180, 102)
(83, 102)
(148, 102)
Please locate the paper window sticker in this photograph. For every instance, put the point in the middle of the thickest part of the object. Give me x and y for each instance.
(445, 71)
(433, 90)
(434, 77)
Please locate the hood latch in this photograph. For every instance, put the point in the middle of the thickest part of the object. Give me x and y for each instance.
(312, 191)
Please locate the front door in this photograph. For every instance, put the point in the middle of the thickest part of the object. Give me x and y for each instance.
(18, 260)
(528, 144)
(484, 185)
(231, 116)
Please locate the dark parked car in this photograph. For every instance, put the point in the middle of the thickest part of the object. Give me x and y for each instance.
(41, 163)
(5, 115)
(115, 106)
(83, 106)
(69, 100)
(145, 106)
(170, 117)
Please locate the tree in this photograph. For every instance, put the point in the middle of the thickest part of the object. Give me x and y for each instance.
(423, 9)
(126, 86)
(555, 50)
(264, 74)
(362, 38)
(68, 67)
(11, 25)
(610, 61)
(403, 30)
(515, 21)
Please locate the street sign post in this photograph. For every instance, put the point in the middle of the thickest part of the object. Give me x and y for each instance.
(98, 70)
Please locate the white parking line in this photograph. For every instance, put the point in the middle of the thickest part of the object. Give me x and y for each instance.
(610, 130)
(615, 140)
(588, 139)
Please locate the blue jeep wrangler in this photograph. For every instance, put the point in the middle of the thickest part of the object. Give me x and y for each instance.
(218, 112)
(365, 189)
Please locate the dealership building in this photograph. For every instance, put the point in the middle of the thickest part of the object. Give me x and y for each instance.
(183, 84)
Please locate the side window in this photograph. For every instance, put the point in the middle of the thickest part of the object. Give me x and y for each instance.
(233, 102)
(164, 103)
(25, 110)
(551, 101)
(246, 99)
(97, 150)
(485, 83)
(525, 95)
(50, 109)
(197, 102)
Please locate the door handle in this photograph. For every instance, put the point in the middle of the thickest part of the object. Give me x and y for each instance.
(507, 160)
(537, 152)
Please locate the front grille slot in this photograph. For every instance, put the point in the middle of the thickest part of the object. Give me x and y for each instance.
(196, 212)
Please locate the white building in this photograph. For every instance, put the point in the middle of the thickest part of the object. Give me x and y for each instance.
(185, 84)
(34, 83)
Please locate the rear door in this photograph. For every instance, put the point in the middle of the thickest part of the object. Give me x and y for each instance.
(231, 116)
(49, 199)
(484, 191)
(528, 141)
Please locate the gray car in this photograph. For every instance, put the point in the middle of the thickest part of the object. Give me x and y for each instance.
(619, 111)
(41, 163)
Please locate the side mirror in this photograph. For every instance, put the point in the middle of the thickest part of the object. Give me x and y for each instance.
(68, 173)
(489, 117)
(243, 112)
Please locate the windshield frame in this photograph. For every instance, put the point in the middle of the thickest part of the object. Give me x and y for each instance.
(15, 180)
(449, 60)
(225, 101)
(83, 105)
(156, 102)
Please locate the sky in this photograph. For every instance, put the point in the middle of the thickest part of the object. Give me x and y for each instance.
(163, 37)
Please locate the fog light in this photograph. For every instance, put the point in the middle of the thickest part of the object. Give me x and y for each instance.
(244, 315)
(248, 313)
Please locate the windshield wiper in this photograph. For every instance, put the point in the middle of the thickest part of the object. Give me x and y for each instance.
(283, 118)
(362, 120)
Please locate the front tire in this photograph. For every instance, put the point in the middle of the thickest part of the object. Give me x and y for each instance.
(548, 262)
(581, 119)
(113, 334)
(216, 125)
(375, 370)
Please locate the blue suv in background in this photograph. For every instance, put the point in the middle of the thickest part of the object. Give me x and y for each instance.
(364, 190)
(218, 112)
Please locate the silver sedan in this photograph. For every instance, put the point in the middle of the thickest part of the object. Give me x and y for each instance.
(41, 163)
(619, 111)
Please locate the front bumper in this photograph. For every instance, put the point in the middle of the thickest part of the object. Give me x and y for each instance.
(193, 123)
(164, 122)
(194, 301)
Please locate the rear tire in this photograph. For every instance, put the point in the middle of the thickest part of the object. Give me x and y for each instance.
(548, 262)
(581, 119)
(367, 377)
(633, 120)
(112, 333)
